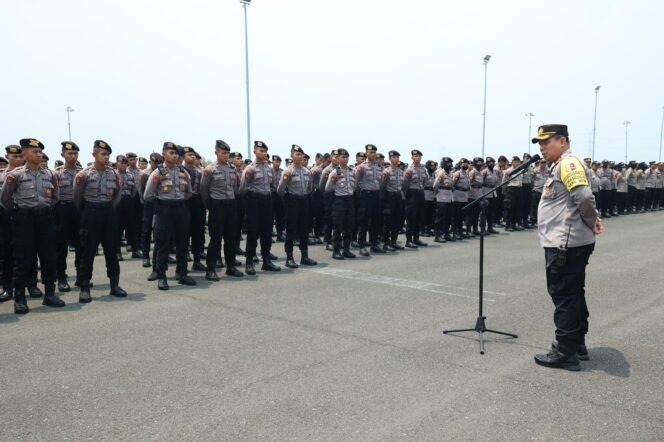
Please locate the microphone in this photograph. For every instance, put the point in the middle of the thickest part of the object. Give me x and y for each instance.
(535, 158)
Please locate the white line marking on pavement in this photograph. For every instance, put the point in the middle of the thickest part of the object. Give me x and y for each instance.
(397, 282)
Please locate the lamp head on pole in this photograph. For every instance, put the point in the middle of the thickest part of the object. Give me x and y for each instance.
(597, 89)
(69, 109)
(245, 2)
(487, 58)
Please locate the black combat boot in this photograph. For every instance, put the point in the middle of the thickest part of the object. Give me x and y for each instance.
(233, 271)
(269, 266)
(63, 285)
(396, 246)
(364, 251)
(409, 242)
(418, 242)
(146, 262)
(211, 275)
(20, 303)
(34, 292)
(556, 359)
(305, 260)
(50, 298)
(377, 248)
(116, 290)
(337, 254)
(388, 247)
(290, 262)
(198, 266)
(84, 294)
(348, 254)
(249, 267)
(6, 294)
(186, 280)
(440, 239)
(162, 283)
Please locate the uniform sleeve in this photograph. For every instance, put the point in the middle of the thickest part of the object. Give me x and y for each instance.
(281, 188)
(245, 180)
(437, 177)
(55, 197)
(7, 190)
(118, 190)
(204, 188)
(573, 173)
(79, 188)
(329, 185)
(407, 176)
(188, 189)
(323, 180)
(151, 186)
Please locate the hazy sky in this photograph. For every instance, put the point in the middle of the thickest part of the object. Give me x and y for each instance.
(327, 74)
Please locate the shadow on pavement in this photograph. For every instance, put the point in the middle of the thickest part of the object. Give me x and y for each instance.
(608, 360)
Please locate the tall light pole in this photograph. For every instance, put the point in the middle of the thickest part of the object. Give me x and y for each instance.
(661, 132)
(530, 116)
(69, 110)
(626, 123)
(595, 121)
(246, 3)
(486, 62)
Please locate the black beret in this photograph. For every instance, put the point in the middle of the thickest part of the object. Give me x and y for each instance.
(430, 163)
(476, 159)
(44, 157)
(131, 155)
(516, 158)
(447, 160)
(361, 155)
(276, 158)
(3, 160)
(489, 159)
(100, 144)
(306, 156)
(142, 160)
(587, 160)
(502, 158)
(342, 151)
(526, 156)
(335, 152)
(221, 144)
(69, 145)
(30, 142)
(198, 156)
(260, 144)
(550, 130)
(370, 147)
(326, 156)
(463, 160)
(187, 149)
(319, 155)
(415, 152)
(296, 148)
(169, 146)
(59, 163)
(121, 159)
(154, 156)
(393, 153)
(13, 148)
(247, 161)
(289, 160)
(180, 150)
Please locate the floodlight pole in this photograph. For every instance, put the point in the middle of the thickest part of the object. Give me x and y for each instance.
(246, 3)
(661, 132)
(626, 123)
(530, 116)
(69, 110)
(486, 62)
(595, 121)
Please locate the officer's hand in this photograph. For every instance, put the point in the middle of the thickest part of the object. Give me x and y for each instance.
(598, 228)
(333, 177)
(409, 173)
(286, 176)
(248, 173)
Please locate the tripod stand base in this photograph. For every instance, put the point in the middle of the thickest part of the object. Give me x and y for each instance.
(480, 327)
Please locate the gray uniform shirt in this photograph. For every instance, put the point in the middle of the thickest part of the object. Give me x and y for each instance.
(367, 175)
(594, 181)
(476, 181)
(95, 186)
(621, 183)
(567, 205)
(392, 179)
(630, 175)
(168, 184)
(219, 182)
(490, 180)
(295, 181)
(651, 178)
(516, 182)
(29, 189)
(527, 177)
(443, 187)
(415, 177)
(660, 179)
(461, 186)
(539, 178)
(127, 183)
(344, 184)
(258, 178)
(640, 180)
(196, 175)
(66, 178)
(604, 178)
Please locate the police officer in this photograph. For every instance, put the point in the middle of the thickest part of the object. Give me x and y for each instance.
(539, 176)
(96, 195)
(328, 199)
(568, 223)
(476, 179)
(240, 202)
(295, 187)
(67, 218)
(142, 163)
(148, 215)
(443, 188)
(196, 209)
(219, 186)
(526, 193)
(461, 184)
(341, 182)
(415, 178)
(429, 209)
(513, 197)
(317, 205)
(369, 212)
(31, 190)
(136, 216)
(277, 202)
(14, 160)
(258, 183)
(391, 181)
(169, 186)
(489, 181)
(125, 208)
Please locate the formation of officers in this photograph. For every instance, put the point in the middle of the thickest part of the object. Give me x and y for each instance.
(171, 198)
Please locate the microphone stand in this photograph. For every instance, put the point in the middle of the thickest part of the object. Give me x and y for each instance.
(480, 325)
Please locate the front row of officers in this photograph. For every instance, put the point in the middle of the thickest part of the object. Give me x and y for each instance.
(366, 204)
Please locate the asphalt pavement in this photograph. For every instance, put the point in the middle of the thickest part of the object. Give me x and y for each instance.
(348, 350)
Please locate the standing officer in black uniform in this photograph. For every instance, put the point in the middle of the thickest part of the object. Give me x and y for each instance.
(369, 211)
(196, 209)
(96, 195)
(240, 203)
(295, 187)
(14, 160)
(218, 189)
(67, 218)
(391, 179)
(169, 186)
(328, 199)
(567, 225)
(125, 208)
(136, 216)
(415, 178)
(148, 215)
(341, 182)
(278, 203)
(31, 191)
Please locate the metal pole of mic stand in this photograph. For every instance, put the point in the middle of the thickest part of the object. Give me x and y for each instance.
(480, 324)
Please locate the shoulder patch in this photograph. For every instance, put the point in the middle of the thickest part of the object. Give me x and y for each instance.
(572, 173)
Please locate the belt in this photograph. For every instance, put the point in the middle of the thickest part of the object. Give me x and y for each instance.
(344, 197)
(369, 192)
(298, 197)
(428, 188)
(104, 205)
(34, 210)
(260, 196)
(65, 203)
(224, 202)
(464, 189)
(170, 203)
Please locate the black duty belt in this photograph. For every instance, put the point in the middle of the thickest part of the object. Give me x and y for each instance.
(369, 192)
(104, 205)
(65, 203)
(260, 196)
(225, 202)
(464, 189)
(428, 188)
(297, 197)
(34, 210)
(170, 203)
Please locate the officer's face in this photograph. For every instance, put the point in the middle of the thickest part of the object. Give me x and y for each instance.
(552, 148)
(261, 154)
(359, 160)
(101, 156)
(222, 155)
(122, 166)
(394, 160)
(14, 159)
(343, 160)
(142, 165)
(277, 163)
(297, 158)
(416, 158)
(371, 155)
(33, 155)
(171, 157)
(132, 162)
(70, 156)
(334, 159)
(190, 158)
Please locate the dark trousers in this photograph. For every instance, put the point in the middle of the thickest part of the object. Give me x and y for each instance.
(649, 198)
(343, 219)
(241, 205)
(222, 223)
(604, 206)
(488, 222)
(414, 212)
(621, 200)
(369, 215)
(631, 198)
(297, 222)
(457, 215)
(67, 222)
(99, 224)
(566, 285)
(659, 197)
(259, 224)
(443, 218)
(317, 213)
(328, 199)
(125, 219)
(498, 206)
(428, 213)
(279, 213)
(392, 216)
(534, 203)
(171, 221)
(146, 228)
(33, 237)
(136, 226)
(526, 201)
(472, 215)
(196, 225)
(6, 251)
(640, 198)
(513, 205)
(612, 200)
